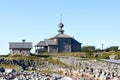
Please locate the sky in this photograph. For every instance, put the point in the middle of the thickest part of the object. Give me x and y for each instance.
(91, 22)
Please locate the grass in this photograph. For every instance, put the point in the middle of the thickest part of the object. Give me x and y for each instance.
(48, 57)
(104, 55)
(10, 66)
(49, 71)
(73, 54)
(18, 57)
(55, 62)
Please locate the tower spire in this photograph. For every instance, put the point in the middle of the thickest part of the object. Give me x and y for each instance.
(61, 18)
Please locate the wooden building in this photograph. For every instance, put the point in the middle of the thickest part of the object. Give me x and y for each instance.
(20, 48)
(59, 43)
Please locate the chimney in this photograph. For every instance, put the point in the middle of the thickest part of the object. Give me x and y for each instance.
(23, 41)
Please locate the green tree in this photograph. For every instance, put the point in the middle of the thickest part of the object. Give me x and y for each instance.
(114, 48)
(88, 48)
(107, 49)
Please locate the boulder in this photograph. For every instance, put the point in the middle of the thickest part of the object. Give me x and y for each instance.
(2, 69)
(10, 71)
(114, 57)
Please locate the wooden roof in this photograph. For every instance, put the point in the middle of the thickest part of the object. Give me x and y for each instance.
(62, 36)
(40, 44)
(46, 43)
(15, 45)
(50, 42)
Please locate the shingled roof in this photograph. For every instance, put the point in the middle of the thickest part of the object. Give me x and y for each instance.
(50, 42)
(61, 36)
(15, 45)
(40, 44)
(46, 43)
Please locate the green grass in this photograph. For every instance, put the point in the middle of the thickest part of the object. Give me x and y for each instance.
(54, 62)
(48, 57)
(73, 54)
(18, 57)
(49, 71)
(10, 66)
(104, 55)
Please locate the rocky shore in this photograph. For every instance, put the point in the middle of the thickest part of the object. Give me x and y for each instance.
(74, 69)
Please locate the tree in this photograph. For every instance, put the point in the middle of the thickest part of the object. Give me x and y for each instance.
(114, 48)
(88, 48)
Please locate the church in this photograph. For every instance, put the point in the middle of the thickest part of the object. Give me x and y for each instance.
(59, 43)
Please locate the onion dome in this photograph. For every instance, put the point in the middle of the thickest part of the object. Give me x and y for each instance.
(61, 25)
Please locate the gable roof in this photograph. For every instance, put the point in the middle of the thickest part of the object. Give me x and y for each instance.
(23, 45)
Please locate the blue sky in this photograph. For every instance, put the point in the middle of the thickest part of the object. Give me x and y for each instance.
(91, 22)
